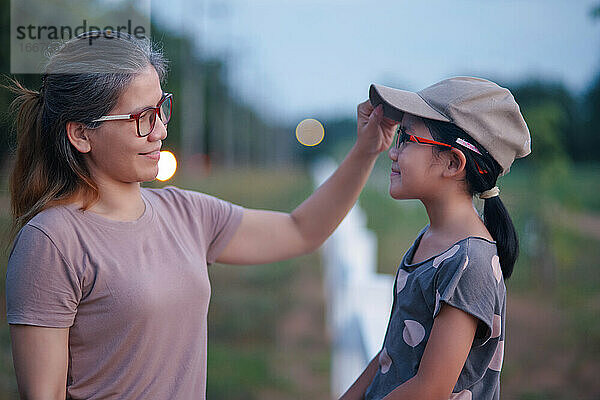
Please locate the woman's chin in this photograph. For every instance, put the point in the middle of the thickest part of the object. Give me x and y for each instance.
(150, 176)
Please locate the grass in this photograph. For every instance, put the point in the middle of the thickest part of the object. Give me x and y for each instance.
(238, 371)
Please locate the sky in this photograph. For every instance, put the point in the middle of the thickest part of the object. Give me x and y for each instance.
(296, 59)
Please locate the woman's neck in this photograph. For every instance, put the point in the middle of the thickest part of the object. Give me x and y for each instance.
(121, 202)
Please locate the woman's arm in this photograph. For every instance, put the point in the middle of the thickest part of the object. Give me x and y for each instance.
(359, 387)
(40, 356)
(268, 236)
(444, 357)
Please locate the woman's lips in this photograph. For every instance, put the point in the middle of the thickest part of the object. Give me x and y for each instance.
(155, 155)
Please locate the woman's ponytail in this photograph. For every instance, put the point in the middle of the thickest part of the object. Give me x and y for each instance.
(25, 180)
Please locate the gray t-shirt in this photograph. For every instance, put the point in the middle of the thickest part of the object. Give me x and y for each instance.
(134, 294)
(466, 276)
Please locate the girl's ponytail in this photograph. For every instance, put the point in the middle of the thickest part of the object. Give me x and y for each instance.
(500, 225)
(482, 171)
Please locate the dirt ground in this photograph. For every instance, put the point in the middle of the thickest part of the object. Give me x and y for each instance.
(541, 361)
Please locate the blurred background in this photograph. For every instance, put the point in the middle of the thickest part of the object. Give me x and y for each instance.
(245, 73)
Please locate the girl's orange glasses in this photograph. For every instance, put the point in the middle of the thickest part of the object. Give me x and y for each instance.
(403, 137)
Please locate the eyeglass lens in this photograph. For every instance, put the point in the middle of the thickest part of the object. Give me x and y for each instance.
(148, 117)
(165, 110)
(401, 136)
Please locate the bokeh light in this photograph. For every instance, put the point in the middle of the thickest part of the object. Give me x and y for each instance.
(310, 132)
(167, 165)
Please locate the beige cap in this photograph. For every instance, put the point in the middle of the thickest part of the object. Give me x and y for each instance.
(486, 111)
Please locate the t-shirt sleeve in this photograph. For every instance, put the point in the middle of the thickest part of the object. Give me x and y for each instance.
(219, 219)
(225, 218)
(467, 281)
(41, 287)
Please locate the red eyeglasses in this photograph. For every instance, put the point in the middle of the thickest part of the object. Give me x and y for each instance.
(146, 119)
(403, 137)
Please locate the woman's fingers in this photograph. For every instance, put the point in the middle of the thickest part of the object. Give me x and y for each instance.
(365, 107)
(364, 111)
(374, 130)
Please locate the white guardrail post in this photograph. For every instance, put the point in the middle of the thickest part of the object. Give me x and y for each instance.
(358, 298)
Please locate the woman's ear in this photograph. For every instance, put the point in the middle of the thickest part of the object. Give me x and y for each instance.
(78, 136)
(455, 164)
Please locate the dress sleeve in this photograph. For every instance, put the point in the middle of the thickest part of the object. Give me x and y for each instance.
(467, 280)
(41, 287)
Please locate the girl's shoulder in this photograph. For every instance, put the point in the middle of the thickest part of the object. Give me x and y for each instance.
(424, 251)
(470, 266)
(474, 252)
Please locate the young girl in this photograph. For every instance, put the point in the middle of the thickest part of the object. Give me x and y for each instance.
(445, 337)
(107, 283)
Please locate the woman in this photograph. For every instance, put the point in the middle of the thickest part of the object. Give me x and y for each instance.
(445, 338)
(107, 285)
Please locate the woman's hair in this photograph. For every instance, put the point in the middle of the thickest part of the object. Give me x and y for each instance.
(482, 171)
(82, 81)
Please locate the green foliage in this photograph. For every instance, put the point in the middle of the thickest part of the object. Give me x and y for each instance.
(550, 115)
(591, 121)
(554, 120)
(548, 156)
(595, 12)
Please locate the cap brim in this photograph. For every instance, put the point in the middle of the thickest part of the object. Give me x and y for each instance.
(396, 102)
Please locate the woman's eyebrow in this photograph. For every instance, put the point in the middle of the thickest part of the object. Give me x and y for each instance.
(140, 109)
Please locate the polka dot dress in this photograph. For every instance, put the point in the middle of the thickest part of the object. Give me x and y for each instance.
(467, 276)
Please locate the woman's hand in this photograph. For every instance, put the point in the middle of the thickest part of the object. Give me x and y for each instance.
(375, 132)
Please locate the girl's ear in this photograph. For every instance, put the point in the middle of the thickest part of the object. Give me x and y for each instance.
(78, 136)
(455, 164)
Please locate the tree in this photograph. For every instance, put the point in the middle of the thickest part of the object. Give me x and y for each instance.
(551, 116)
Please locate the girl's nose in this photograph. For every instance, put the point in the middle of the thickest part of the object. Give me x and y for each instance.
(393, 153)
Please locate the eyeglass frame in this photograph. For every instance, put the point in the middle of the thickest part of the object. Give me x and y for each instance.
(402, 137)
(136, 116)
